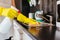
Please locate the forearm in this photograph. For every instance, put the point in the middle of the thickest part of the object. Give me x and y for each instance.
(13, 3)
(1, 10)
(24, 19)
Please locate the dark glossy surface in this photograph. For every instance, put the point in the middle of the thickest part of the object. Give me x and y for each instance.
(44, 33)
(47, 34)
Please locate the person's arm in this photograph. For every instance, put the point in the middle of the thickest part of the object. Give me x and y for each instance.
(21, 17)
(1, 10)
(13, 3)
(7, 22)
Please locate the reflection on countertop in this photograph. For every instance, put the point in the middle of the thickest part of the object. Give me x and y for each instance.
(44, 33)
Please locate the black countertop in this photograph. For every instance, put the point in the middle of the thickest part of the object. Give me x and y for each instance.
(44, 33)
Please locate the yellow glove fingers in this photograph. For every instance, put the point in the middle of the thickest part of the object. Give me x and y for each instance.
(1, 10)
(24, 19)
(14, 12)
(32, 19)
(19, 18)
(4, 13)
(10, 16)
(27, 20)
(9, 12)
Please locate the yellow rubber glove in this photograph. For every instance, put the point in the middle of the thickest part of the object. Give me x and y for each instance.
(1, 10)
(9, 12)
(24, 19)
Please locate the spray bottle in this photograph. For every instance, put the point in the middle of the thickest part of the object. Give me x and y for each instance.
(6, 21)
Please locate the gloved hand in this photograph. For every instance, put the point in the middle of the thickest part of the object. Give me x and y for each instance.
(24, 19)
(30, 22)
(9, 12)
(1, 10)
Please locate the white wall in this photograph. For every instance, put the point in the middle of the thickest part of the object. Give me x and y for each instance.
(5, 3)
